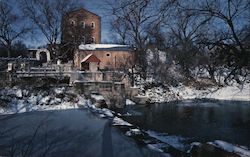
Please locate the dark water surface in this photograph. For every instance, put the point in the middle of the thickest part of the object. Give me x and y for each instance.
(195, 121)
(68, 133)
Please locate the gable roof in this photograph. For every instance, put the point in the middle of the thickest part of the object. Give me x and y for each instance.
(82, 9)
(90, 58)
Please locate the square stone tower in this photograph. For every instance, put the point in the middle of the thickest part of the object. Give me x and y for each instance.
(81, 27)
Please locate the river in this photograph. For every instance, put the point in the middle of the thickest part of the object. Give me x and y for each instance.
(181, 123)
(80, 133)
(65, 133)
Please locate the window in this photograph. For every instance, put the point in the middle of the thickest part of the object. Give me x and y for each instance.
(83, 40)
(108, 55)
(72, 22)
(93, 40)
(82, 24)
(92, 25)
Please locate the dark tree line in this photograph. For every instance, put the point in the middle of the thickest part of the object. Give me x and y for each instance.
(46, 16)
(12, 28)
(34, 18)
(195, 33)
(18, 48)
(208, 34)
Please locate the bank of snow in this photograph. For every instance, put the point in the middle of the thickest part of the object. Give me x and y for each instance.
(233, 92)
(16, 100)
(239, 150)
(177, 142)
(241, 93)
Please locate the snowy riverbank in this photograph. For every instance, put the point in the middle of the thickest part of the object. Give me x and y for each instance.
(239, 93)
(17, 100)
(233, 92)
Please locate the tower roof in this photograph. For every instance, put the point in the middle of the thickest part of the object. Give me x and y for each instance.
(82, 9)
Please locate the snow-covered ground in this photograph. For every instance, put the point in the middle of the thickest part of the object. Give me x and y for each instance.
(175, 141)
(129, 102)
(173, 72)
(16, 100)
(233, 92)
(179, 143)
(224, 93)
(239, 150)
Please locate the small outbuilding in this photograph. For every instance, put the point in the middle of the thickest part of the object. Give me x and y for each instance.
(90, 63)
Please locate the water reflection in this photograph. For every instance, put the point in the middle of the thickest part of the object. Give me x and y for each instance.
(199, 120)
(107, 146)
(65, 134)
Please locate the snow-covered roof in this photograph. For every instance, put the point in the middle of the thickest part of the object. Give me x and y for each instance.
(90, 58)
(110, 47)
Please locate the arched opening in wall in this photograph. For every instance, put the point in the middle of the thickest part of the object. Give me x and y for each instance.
(43, 57)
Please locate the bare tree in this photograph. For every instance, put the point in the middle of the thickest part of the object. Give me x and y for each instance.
(131, 20)
(121, 28)
(188, 29)
(46, 15)
(184, 33)
(230, 18)
(11, 26)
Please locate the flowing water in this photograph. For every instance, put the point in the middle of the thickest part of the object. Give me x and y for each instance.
(181, 123)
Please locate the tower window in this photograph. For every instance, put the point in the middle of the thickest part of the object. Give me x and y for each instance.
(83, 40)
(92, 25)
(72, 22)
(82, 24)
(93, 40)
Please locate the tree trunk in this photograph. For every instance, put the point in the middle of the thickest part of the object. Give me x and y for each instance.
(9, 50)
